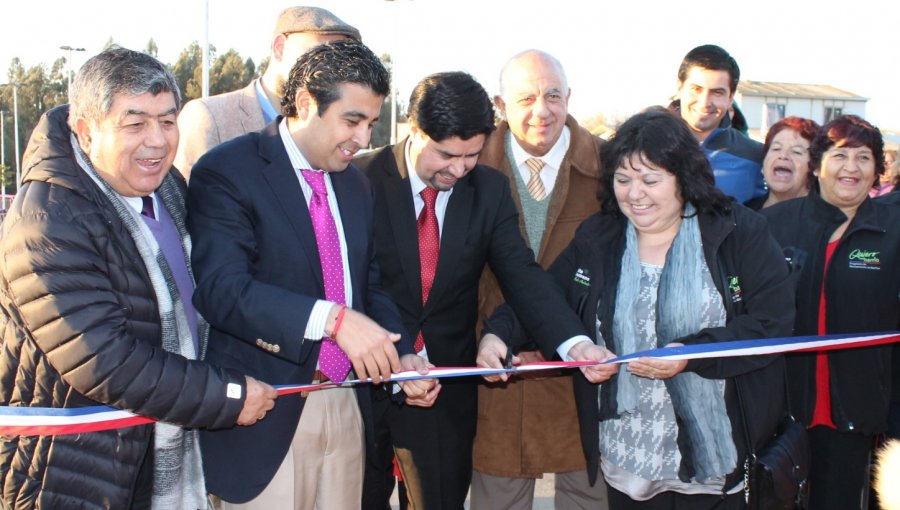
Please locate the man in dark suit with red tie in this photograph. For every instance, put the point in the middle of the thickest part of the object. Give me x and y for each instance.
(440, 219)
(286, 275)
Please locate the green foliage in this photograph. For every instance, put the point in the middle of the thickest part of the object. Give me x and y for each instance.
(152, 49)
(228, 73)
(38, 89)
(187, 71)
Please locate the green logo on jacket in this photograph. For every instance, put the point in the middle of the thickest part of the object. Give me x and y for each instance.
(734, 286)
(864, 259)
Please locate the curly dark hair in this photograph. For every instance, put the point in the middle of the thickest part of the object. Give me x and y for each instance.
(445, 105)
(848, 131)
(324, 67)
(664, 140)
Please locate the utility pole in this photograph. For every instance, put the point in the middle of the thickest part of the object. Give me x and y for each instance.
(15, 87)
(69, 64)
(205, 54)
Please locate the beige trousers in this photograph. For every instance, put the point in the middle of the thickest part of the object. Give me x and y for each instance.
(323, 468)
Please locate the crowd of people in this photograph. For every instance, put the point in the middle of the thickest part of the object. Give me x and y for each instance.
(183, 262)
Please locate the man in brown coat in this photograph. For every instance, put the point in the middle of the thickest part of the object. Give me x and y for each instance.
(528, 427)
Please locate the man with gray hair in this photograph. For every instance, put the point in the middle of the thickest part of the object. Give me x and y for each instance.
(95, 296)
(209, 121)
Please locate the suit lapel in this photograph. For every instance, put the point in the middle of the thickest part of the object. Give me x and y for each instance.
(453, 238)
(251, 114)
(402, 216)
(282, 180)
(355, 236)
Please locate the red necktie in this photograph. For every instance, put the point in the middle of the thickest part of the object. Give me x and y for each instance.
(332, 360)
(429, 247)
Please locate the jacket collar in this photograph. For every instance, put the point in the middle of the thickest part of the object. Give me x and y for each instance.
(581, 154)
(866, 215)
(49, 156)
(714, 228)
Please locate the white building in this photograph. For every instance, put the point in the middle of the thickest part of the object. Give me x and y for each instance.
(765, 103)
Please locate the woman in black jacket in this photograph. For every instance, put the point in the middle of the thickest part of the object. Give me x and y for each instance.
(668, 261)
(844, 249)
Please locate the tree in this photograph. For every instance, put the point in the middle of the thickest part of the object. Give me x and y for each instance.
(187, 71)
(228, 73)
(37, 91)
(251, 68)
(381, 133)
(151, 48)
(43, 87)
(263, 64)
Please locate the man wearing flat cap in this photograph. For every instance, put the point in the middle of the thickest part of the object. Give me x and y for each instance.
(207, 122)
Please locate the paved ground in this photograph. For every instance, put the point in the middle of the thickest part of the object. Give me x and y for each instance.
(543, 496)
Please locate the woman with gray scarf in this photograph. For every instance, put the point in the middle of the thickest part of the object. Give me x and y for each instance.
(670, 260)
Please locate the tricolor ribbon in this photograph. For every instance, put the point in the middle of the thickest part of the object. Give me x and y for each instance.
(37, 421)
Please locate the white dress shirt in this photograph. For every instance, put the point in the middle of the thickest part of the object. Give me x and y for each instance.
(552, 160)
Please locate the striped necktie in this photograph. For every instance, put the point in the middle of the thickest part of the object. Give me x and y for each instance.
(535, 184)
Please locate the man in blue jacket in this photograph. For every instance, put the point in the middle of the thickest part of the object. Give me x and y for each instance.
(707, 80)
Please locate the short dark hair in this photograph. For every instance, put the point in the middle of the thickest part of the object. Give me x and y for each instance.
(710, 56)
(117, 70)
(848, 131)
(326, 66)
(807, 130)
(663, 139)
(444, 105)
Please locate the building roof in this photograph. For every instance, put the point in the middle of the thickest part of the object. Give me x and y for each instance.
(798, 90)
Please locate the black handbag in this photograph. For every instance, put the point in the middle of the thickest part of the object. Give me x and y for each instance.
(775, 477)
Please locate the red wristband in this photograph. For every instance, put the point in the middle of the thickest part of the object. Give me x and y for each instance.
(337, 322)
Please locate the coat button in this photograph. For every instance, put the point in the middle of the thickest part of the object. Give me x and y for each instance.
(276, 348)
(259, 342)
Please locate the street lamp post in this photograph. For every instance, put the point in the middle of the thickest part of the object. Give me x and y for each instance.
(15, 87)
(394, 91)
(69, 64)
(204, 58)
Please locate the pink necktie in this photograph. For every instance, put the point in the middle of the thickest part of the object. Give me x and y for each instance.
(429, 248)
(333, 362)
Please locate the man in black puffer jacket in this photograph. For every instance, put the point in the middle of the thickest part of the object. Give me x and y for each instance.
(95, 303)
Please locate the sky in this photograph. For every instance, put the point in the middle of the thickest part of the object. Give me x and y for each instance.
(619, 56)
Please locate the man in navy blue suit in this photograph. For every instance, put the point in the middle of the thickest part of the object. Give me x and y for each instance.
(286, 275)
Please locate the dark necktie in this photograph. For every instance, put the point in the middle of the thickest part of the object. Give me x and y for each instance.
(333, 362)
(147, 210)
(429, 247)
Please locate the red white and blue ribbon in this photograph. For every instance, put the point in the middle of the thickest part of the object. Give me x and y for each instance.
(36, 421)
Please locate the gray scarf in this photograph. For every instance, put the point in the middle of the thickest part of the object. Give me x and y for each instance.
(177, 470)
(698, 402)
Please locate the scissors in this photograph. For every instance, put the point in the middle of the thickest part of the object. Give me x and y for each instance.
(507, 362)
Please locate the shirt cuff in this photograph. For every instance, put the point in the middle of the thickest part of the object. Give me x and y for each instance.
(315, 326)
(565, 347)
